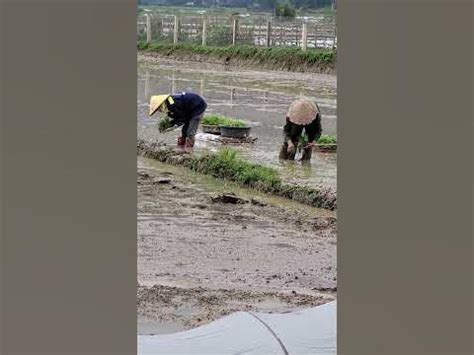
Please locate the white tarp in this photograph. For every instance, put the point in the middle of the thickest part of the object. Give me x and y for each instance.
(309, 331)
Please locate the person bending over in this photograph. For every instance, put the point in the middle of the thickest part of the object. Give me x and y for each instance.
(303, 119)
(184, 109)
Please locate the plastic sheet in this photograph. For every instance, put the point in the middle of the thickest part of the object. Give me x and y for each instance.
(309, 331)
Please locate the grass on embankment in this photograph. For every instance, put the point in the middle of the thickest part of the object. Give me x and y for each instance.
(280, 58)
(226, 164)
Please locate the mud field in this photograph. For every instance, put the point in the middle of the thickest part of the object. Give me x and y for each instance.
(207, 248)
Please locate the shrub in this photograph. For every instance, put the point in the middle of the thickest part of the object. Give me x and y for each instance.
(285, 9)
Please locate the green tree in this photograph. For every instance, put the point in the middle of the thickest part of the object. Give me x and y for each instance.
(285, 9)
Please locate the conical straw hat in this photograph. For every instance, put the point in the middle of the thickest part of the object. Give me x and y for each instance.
(156, 102)
(302, 111)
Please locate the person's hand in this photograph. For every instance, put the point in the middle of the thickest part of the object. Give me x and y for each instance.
(291, 148)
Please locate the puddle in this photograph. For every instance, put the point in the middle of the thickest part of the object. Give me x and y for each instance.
(260, 98)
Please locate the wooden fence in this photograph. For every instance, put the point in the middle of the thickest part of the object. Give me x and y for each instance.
(223, 31)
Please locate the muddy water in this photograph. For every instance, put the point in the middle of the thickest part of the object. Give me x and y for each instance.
(260, 98)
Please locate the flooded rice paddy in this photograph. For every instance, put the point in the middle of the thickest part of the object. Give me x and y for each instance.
(259, 97)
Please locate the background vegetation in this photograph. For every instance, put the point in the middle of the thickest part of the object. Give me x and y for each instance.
(284, 56)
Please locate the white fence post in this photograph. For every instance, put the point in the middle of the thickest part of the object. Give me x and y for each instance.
(201, 87)
(269, 33)
(204, 31)
(176, 30)
(147, 83)
(304, 37)
(148, 28)
(234, 30)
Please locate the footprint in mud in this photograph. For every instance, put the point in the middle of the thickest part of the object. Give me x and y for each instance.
(282, 245)
(322, 223)
(143, 175)
(230, 198)
(243, 217)
(145, 178)
(199, 206)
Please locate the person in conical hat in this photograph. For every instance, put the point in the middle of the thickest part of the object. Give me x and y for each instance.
(184, 109)
(303, 115)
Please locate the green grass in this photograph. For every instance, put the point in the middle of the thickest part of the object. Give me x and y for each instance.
(218, 120)
(228, 165)
(277, 55)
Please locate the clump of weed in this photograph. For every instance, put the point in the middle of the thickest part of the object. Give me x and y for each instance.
(142, 45)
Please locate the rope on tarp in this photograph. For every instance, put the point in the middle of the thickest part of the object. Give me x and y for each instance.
(271, 331)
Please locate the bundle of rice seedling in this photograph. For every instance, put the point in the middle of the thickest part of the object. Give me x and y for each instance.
(302, 141)
(165, 124)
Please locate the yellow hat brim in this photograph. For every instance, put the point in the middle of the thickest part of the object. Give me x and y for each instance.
(156, 101)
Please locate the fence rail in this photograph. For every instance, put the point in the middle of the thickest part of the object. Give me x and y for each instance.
(234, 30)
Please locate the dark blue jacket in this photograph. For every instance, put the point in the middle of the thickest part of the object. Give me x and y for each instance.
(186, 106)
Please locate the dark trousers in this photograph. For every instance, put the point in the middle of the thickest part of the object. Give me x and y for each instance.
(190, 128)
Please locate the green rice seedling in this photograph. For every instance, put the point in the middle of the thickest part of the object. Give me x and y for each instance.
(164, 124)
(218, 120)
(327, 140)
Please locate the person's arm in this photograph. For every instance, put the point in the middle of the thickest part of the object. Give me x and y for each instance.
(314, 130)
(170, 113)
(287, 128)
(287, 131)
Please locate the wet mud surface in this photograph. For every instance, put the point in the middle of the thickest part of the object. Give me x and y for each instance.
(207, 248)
